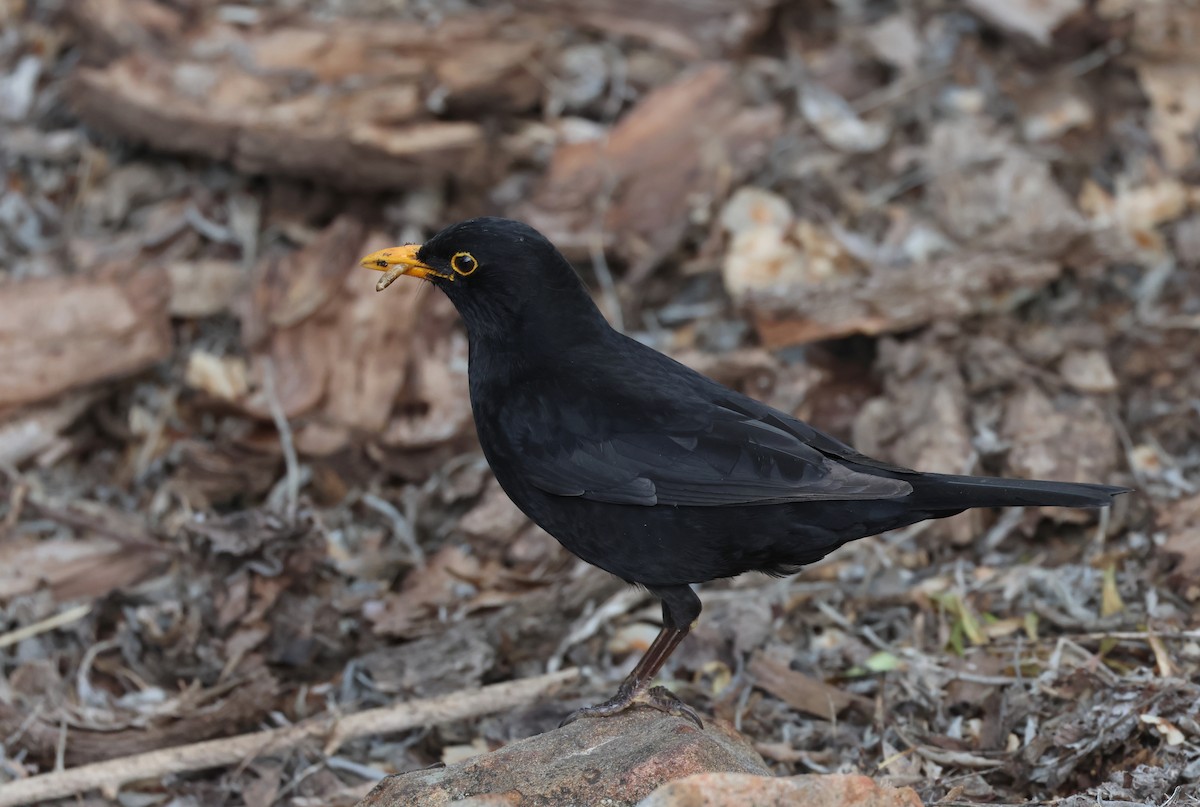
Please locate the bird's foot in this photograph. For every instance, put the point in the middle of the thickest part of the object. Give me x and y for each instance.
(659, 698)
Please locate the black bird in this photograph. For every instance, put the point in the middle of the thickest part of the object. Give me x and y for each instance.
(646, 468)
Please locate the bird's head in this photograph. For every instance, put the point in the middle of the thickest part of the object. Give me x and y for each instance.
(503, 276)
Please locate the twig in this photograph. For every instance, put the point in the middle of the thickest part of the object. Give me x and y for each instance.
(961, 759)
(1003, 526)
(890, 94)
(78, 519)
(608, 288)
(42, 626)
(616, 605)
(145, 454)
(1101, 534)
(332, 731)
(1123, 636)
(16, 500)
(285, 439)
(455, 706)
(401, 527)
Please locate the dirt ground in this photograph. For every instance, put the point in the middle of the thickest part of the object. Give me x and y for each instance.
(240, 491)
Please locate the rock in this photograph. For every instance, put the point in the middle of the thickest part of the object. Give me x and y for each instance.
(739, 789)
(617, 761)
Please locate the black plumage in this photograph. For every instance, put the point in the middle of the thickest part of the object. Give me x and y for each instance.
(646, 468)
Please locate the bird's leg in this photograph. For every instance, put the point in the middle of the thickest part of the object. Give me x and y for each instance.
(680, 608)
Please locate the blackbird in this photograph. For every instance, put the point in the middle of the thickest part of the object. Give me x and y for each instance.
(645, 467)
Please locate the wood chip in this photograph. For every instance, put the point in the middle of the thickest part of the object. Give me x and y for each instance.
(60, 333)
(28, 432)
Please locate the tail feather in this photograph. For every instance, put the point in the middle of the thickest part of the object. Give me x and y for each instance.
(960, 492)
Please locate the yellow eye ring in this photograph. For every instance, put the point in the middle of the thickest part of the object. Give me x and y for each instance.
(464, 263)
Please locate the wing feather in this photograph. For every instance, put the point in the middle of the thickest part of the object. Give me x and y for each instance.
(736, 457)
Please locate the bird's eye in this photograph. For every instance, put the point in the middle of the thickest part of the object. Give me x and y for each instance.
(464, 263)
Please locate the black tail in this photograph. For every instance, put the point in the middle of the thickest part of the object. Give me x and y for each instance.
(961, 492)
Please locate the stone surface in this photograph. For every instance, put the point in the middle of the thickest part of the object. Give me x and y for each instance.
(748, 790)
(622, 759)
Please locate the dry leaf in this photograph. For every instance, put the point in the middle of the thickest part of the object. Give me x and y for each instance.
(1110, 597)
(439, 584)
(991, 193)
(837, 123)
(679, 149)
(1069, 439)
(1088, 371)
(1180, 553)
(1036, 18)
(81, 568)
(799, 691)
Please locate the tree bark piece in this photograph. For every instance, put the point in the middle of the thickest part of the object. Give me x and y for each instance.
(351, 105)
(61, 333)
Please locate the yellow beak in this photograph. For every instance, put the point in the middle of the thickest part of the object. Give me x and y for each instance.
(397, 261)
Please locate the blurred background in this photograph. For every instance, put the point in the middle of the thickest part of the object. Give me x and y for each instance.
(239, 489)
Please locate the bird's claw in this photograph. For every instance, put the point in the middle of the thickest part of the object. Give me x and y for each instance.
(659, 698)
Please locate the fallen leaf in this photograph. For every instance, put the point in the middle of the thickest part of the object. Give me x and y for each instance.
(1035, 18)
(1180, 553)
(679, 149)
(769, 671)
(1088, 371)
(1069, 438)
(837, 123)
(1110, 597)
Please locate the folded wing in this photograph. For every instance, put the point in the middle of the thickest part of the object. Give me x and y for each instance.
(731, 456)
